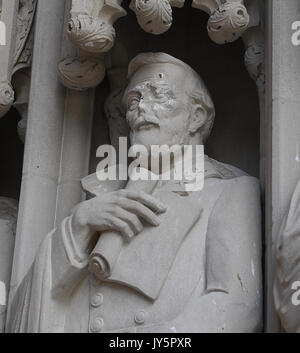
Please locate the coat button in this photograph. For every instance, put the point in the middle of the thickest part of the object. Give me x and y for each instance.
(140, 317)
(96, 325)
(97, 300)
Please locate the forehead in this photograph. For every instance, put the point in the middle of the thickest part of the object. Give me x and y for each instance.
(168, 75)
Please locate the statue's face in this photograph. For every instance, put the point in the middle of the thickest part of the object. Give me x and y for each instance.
(157, 106)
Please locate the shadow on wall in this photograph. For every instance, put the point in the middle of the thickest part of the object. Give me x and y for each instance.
(235, 137)
(11, 156)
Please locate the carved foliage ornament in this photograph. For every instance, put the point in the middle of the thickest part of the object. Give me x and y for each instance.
(228, 20)
(154, 16)
(91, 25)
(91, 34)
(22, 54)
(24, 40)
(80, 73)
(91, 30)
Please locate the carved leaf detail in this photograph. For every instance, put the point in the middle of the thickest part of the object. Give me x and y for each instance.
(228, 22)
(154, 16)
(91, 34)
(81, 73)
(23, 49)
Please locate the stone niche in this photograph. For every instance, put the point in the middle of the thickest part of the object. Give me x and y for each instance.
(58, 157)
(235, 136)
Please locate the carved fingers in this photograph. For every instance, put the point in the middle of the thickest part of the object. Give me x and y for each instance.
(145, 199)
(123, 211)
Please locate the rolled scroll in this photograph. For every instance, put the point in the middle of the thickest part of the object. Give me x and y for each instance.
(144, 263)
(109, 246)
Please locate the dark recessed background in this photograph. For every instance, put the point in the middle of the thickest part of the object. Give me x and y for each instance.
(11, 156)
(235, 137)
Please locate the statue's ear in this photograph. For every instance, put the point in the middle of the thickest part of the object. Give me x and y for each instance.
(198, 118)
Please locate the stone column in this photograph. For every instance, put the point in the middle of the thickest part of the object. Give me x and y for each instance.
(283, 139)
(57, 142)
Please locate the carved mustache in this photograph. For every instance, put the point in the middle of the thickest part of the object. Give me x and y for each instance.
(144, 120)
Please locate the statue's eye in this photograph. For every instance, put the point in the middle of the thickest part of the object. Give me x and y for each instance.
(133, 103)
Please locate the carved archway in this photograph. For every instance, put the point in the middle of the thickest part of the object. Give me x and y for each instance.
(90, 36)
(90, 29)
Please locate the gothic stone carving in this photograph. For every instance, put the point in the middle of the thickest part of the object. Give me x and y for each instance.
(91, 30)
(8, 219)
(91, 24)
(21, 55)
(228, 20)
(24, 34)
(81, 73)
(155, 16)
(194, 273)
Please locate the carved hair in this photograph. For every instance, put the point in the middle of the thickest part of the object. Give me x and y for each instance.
(197, 90)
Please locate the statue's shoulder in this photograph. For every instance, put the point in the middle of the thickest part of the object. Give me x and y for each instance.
(219, 170)
(236, 183)
(237, 206)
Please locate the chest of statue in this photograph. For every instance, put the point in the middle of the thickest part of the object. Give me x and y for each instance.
(108, 306)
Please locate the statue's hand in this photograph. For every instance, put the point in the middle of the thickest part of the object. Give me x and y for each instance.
(120, 211)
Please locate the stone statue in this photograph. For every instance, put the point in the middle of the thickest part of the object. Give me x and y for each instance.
(8, 220)
(287, 282)
(205, 274)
